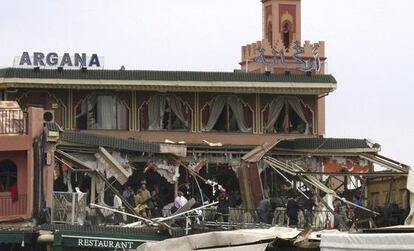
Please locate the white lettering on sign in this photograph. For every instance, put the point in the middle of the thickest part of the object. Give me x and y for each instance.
(104, 243)
(53, 60)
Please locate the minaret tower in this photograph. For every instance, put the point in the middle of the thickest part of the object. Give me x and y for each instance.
(281, 49)
(281, 21)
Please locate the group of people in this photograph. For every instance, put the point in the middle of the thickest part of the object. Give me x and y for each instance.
(149, 204)
(303, 212)
(274, 211)
(144, 202)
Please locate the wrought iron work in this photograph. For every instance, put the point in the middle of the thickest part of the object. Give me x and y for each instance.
(69, 208)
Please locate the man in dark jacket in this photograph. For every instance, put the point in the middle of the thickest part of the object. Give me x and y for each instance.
(292, 211)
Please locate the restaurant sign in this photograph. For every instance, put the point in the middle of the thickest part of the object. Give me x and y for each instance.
(54, 60)
(100, 242)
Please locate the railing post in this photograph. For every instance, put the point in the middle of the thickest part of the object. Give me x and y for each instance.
(73, 208)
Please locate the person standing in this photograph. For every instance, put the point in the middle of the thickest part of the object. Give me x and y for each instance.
(141, 200)
(292, 211)
(223, 207)
(155, 204)
(264, 211)
(308, 207)
(279, 213)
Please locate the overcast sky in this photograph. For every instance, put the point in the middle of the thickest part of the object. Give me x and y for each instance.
(369, 44)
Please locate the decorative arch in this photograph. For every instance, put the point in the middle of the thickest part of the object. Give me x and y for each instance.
(60, 115)
(287, 29)
(230, 108)
(176, 116)
(307, 111)
(269, 28)
(87, 108)
(287, 17)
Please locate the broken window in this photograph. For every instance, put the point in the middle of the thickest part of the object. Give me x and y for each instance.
(8, 175)
(102, 112)
(286, 115)
(168, 112)
(227, 113)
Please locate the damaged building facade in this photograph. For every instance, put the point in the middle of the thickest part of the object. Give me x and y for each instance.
(195, 132)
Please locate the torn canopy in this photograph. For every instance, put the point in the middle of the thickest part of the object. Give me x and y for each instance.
(297, 170)
(112, 166)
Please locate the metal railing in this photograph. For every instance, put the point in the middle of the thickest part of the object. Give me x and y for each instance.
(8, 207)
(13, 121)
(69, 208)
(251, 218)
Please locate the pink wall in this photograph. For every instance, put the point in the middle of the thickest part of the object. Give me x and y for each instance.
(19, 149)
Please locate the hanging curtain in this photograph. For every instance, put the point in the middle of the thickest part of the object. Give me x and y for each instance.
(275, 109)
(91, 116)
(216, 107)
(121, 115)
(177, 108)
(156, 108)
(106, 109)
(238, 111)
(294, 103)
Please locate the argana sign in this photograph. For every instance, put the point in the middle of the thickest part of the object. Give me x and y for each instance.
(54, 60)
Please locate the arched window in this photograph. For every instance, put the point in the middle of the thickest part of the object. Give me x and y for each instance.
(102, 111)
(287, 115)
(286, 35)
(227, 114)
(166, 112)
(8, 175)
(270, 33)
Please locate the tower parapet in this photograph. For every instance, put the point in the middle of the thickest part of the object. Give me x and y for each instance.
(281, 49)
(261, 56)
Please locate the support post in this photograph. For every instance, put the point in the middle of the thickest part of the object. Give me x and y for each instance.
(57, 241)
(93, 193)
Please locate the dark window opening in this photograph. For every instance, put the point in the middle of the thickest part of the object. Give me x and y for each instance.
(166, 112)
(102, 112)
(226, 121)
(289, 122)
(286, 35)
(170, 121)
(8, 175)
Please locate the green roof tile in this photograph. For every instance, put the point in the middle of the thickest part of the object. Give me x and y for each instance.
(111, 142)
(326, 144)
(162, 75)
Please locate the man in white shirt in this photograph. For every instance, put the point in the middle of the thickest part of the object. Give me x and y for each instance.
(118, 206)
(180, 200)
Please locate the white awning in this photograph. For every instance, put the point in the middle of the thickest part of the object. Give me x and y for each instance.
(112, 166)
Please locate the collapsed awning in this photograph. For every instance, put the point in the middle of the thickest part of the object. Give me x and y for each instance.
(71, 162)
(229, 239)
(112, 166)
(388, 241)
(122, 144)
(386, 162)
(309, 180)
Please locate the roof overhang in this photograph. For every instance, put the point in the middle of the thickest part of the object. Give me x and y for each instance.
(304, 88)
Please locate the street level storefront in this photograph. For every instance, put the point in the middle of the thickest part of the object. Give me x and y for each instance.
(97, 238)
(18, 240)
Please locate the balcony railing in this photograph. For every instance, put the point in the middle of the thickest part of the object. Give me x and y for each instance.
(68, 208)
(12, 121)
(8, 207)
